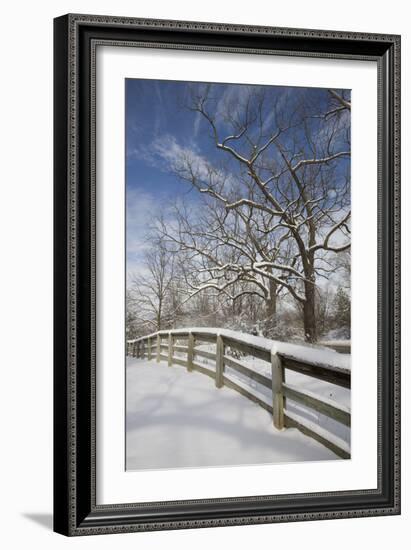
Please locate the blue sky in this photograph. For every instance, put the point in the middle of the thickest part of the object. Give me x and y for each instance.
(159, 127)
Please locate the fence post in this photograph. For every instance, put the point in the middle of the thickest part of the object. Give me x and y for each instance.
(190, 351)
(149, 349)
(170, 350)
(158, 348)
(277, 376)
(134, 352)
(219, 362)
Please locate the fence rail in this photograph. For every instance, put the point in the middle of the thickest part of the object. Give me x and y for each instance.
(163, 346)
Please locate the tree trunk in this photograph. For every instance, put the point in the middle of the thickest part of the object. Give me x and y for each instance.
(159, 313)
(271, 308)
(271, 302)
(310, 324)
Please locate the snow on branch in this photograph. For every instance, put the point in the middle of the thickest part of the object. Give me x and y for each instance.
(325, 244)
(345, 104)
(324, 160)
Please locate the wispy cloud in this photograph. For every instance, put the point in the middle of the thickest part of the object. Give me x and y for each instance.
(141, 207)
(174, 155)
(166, 153)
(233, 98)
(196, 125)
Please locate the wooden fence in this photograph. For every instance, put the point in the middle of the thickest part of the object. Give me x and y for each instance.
(342, 346)
(164, 345)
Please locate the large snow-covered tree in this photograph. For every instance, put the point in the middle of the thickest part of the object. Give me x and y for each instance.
(275, 205)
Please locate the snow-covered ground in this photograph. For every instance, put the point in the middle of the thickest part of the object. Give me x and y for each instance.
(177, 419)
(317, 387)
(340, 395)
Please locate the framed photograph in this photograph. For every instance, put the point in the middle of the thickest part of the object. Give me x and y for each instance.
(227, 280)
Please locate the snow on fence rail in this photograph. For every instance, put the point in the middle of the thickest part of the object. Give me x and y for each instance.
(324, 365)
(342, 346)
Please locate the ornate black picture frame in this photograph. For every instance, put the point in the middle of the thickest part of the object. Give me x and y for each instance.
(76, 38)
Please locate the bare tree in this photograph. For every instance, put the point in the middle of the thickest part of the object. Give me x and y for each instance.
(151, 290)
(132, 329)
(278, 203)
